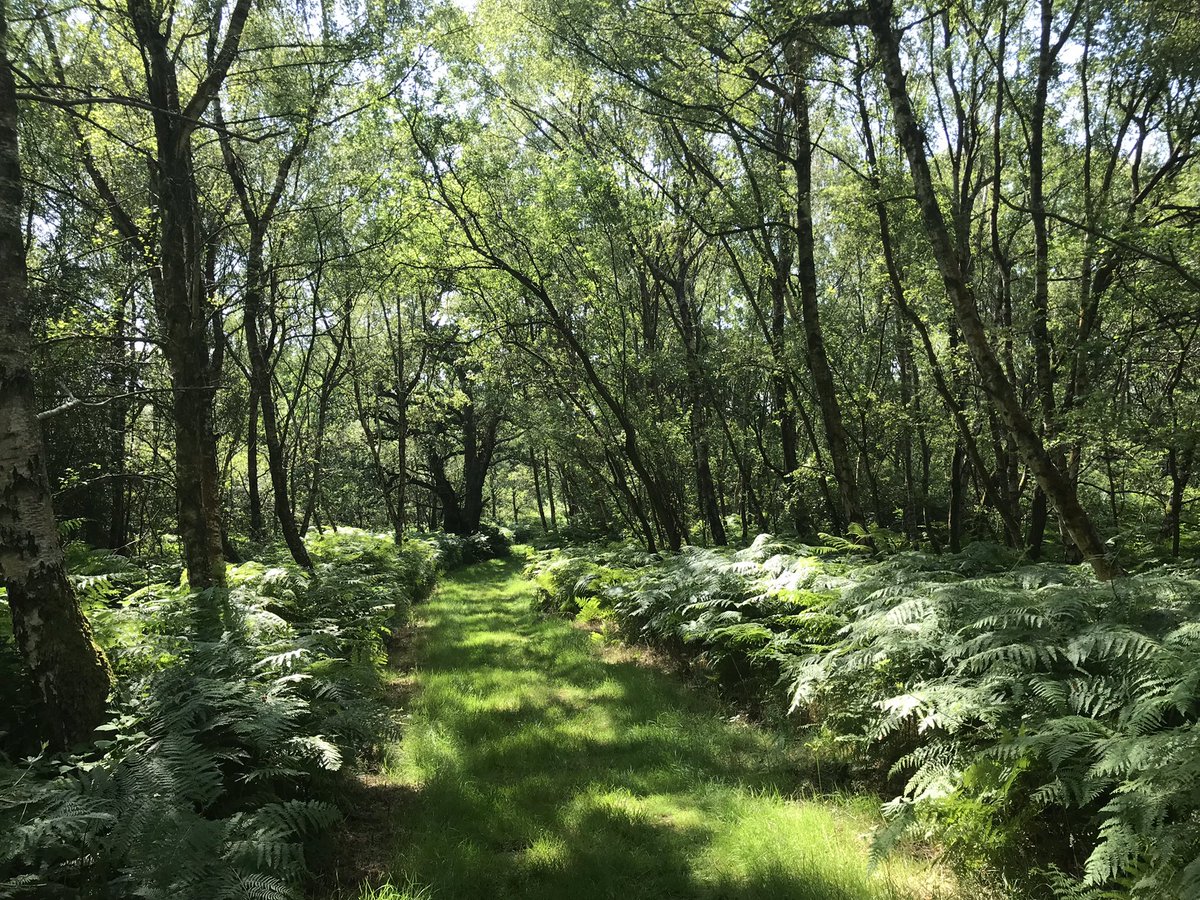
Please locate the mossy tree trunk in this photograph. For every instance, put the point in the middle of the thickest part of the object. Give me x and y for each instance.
(180, 289)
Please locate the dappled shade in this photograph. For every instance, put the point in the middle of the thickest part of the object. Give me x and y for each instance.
(547, 771)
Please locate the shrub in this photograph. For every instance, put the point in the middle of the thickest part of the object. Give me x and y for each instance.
(568, 578)
(450, 550)
(454, 550)
(497, 542)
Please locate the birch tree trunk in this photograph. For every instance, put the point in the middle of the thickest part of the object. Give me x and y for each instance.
(70, 672)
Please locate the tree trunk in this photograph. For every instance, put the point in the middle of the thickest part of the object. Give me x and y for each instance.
(904, 349)
(257, 530)
(280, 490)
(1058, 488)
(196, 472)
(314, 485)
(332, 378)
(1040, 337)
(958, 496)
(789, 437)
(260, 374)
(479, 445)
(259, 349)
(537, 486)
(568, 494)
(122, 376)
(118, 515)
(401, 472)
(550, 489)
(747, 500)
(818, 361)
(636, 509)
(705, 487)
(679, 283)
(1179, 468)
(70, 672)
(1038, 514)
(180, 295)
(453, 518)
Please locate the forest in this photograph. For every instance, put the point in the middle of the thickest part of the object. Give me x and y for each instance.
(600, 449)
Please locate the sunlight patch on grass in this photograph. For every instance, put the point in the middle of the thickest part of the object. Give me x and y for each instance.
(547, 772)
(766, 843)
(549, 852)
(389, 891)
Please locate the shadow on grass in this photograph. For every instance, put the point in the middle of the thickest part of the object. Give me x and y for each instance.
(544, 771)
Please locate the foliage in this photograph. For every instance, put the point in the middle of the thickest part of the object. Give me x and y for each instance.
(591, 149)
(16, 693)
(219, 763)
(664, 273)
(455, 550)
(1018, 709)
(568, 579)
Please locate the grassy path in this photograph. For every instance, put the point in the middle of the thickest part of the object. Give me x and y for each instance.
(541, 770)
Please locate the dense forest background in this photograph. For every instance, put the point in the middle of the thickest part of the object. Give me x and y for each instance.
(874, 277)
(653, 270)
(663, 267)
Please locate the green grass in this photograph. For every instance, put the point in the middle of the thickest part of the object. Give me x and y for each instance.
(543, 769)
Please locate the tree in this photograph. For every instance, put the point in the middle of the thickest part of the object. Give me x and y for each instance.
(70, 672)
(1050, 478)
(177, 250)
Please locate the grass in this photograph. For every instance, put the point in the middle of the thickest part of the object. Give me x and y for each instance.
(542, 769)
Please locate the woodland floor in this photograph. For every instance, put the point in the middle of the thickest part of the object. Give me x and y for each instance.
(536, 763)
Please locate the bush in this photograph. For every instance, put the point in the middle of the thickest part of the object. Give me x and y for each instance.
(497, 541)
(568, 578)
(454, 550)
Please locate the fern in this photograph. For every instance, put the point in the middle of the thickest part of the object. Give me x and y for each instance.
(1003, 695)
(206, 784)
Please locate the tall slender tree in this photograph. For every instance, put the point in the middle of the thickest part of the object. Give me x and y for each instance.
(70, 672)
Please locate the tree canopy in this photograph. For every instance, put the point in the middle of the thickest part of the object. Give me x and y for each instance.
(695, 270)
(679, 273)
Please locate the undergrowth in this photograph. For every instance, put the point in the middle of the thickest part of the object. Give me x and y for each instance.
(1021, 715)
(454, 550)
(220, 763)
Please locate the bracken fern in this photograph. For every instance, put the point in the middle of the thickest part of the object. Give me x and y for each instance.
(216, 770)
(1016, 707)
